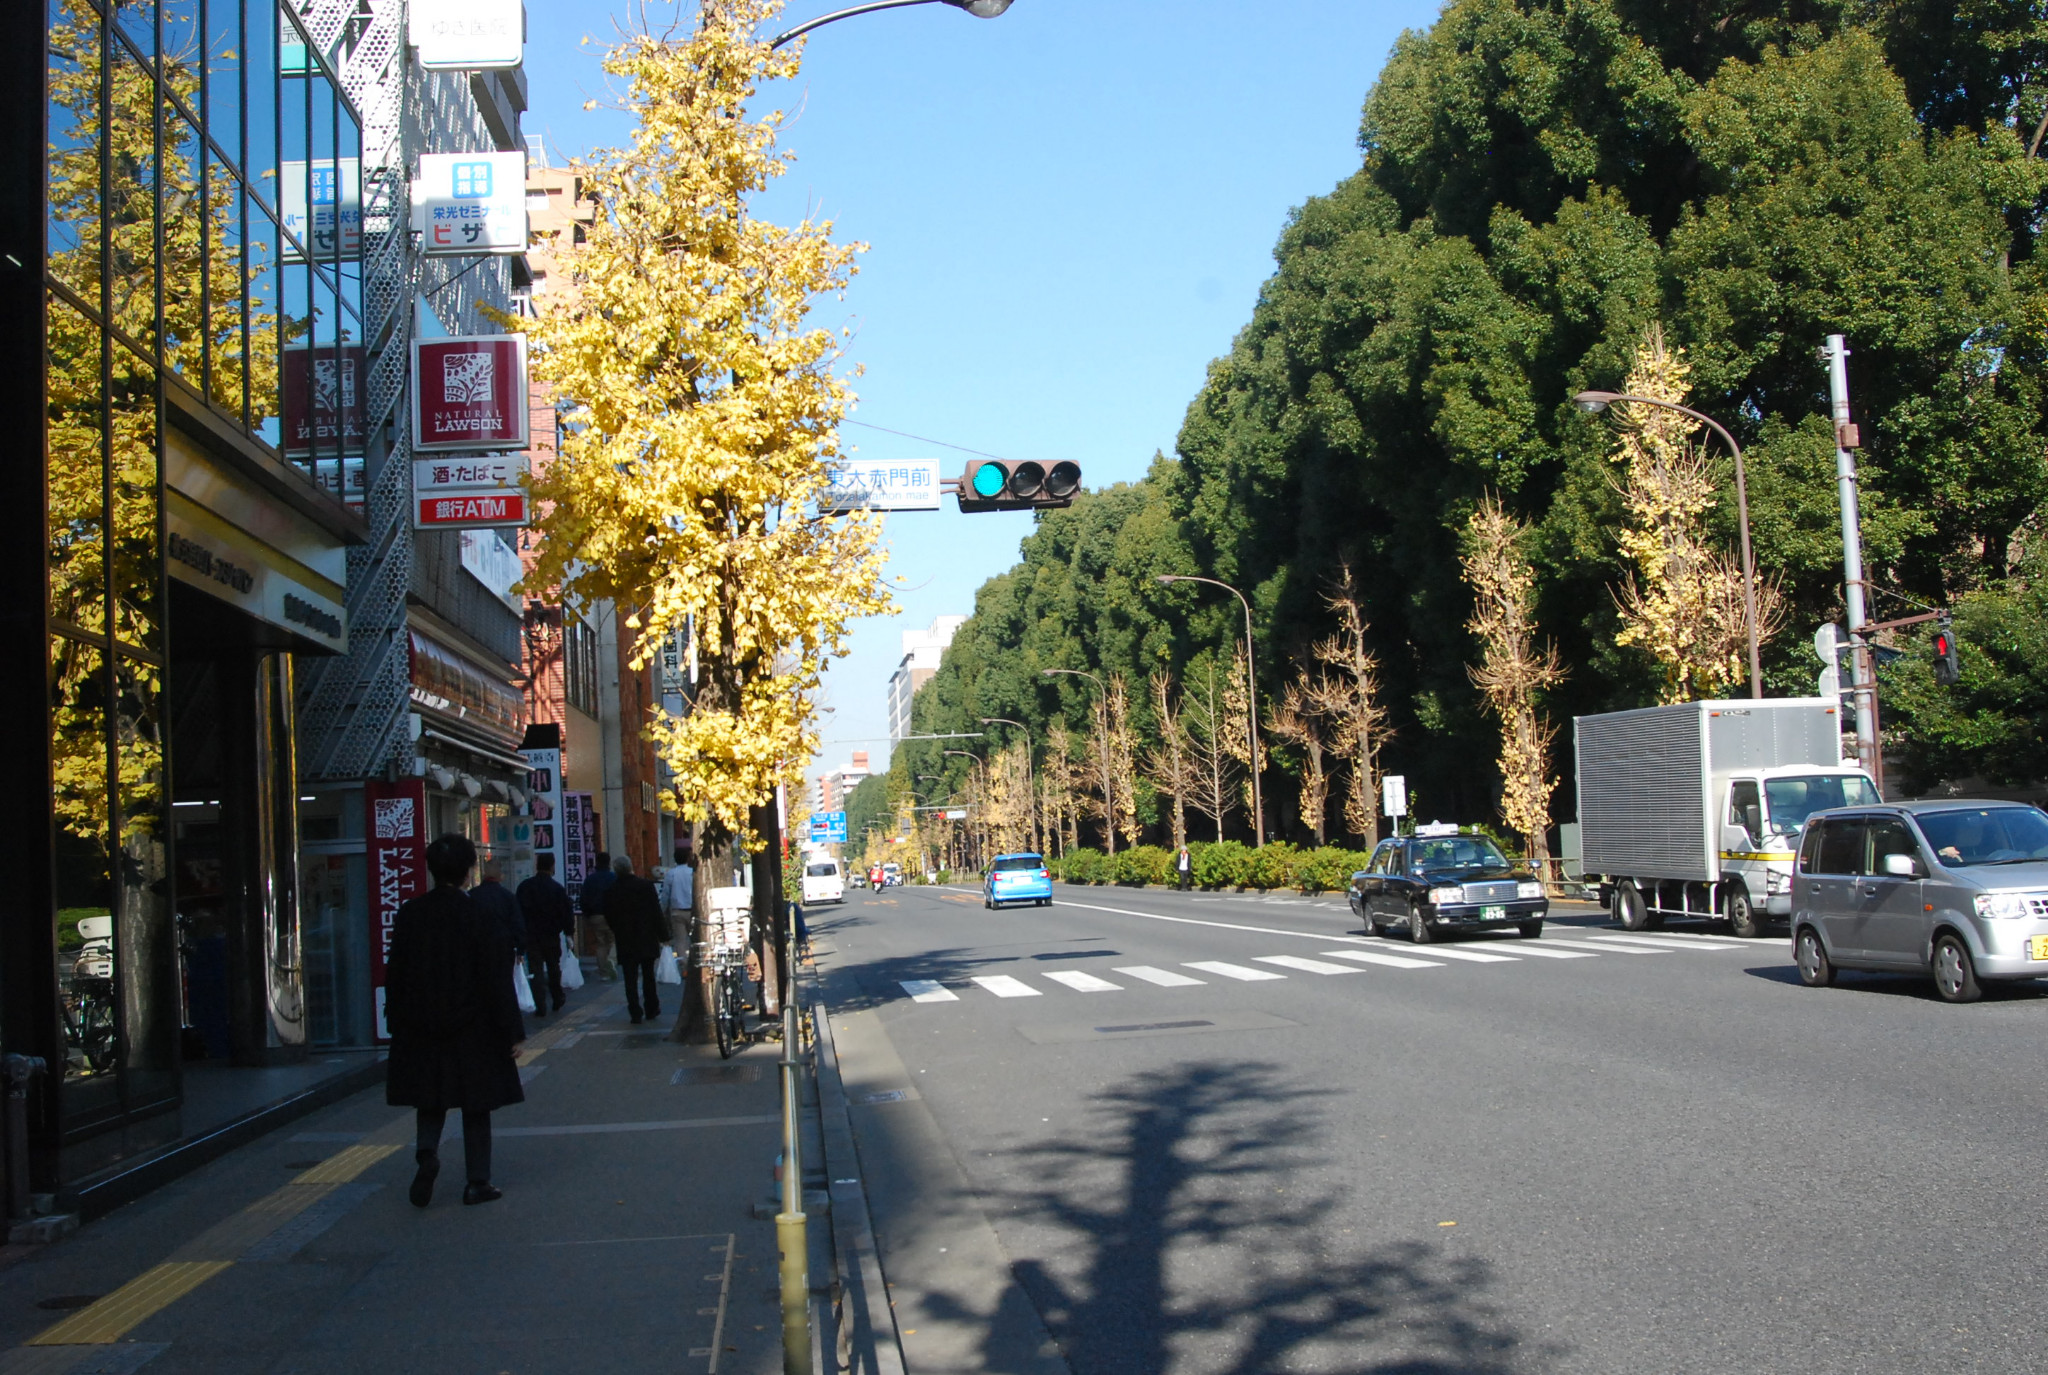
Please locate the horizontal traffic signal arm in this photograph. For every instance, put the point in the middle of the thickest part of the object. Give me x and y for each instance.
(995, 484)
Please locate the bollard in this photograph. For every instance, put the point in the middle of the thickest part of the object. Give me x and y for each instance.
(791, 1237)
(16, 1072)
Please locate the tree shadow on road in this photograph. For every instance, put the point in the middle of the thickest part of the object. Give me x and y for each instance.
(1187, 1247)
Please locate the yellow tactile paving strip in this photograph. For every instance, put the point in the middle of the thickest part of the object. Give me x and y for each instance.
(113, 1317)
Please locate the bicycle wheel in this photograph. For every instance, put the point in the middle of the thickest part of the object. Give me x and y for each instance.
(724, 1013)
(96, 1032)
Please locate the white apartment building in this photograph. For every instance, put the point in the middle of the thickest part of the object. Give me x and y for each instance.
(922, 651)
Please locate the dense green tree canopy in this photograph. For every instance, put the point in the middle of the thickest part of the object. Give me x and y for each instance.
(1541, 179)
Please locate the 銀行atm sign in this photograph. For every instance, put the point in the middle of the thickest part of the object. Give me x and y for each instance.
(457, 510)
(469, 393)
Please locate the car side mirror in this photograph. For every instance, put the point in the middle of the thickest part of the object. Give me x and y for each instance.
(1902, 866)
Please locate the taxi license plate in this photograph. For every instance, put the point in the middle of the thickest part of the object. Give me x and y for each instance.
(2037, 947)
(1501, 914)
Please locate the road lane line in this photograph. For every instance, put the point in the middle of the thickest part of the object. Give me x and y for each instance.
(1658, 943)
(1082, 983)
(1539, 948)
(1222, 925)
(1306, 965)
(929, 991)
(1165, 978)
(1389, 961)
(1003, 986)
(1233, 971)
(1609, 949)
(1438, 952)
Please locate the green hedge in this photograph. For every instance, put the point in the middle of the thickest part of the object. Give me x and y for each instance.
(1230, 864)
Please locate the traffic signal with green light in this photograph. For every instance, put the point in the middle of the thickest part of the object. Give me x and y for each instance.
(1948, 666)
(995, 484)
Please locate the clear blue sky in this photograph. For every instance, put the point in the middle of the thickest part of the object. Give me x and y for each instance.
(1070, 211)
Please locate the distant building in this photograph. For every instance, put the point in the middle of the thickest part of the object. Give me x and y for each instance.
(922, 650)
(833, 787)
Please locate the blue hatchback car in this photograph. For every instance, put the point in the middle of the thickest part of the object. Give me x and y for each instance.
(1017, 878)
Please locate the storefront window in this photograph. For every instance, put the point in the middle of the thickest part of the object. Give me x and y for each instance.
(144, 938)
(85, 927)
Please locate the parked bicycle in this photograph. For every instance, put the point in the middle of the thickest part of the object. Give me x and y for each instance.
(728, 966)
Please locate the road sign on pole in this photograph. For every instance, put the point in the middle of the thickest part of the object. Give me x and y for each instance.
(864, 484)
(1394, 794)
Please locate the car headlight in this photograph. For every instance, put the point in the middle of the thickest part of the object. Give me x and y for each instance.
(1440, 896)
(2006, 906)
(1528, 890)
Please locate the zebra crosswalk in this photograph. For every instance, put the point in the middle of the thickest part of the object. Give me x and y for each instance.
(1352, 959)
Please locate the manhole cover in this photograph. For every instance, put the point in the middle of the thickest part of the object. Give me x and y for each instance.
(64, 1303)
(717, 1074)
(885, 1096)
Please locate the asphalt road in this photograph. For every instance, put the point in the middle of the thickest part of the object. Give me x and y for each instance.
(1650, 1158)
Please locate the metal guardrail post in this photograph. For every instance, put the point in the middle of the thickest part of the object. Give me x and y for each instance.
(791, 1234)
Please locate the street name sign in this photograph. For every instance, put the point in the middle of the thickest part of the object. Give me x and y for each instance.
(874, 484)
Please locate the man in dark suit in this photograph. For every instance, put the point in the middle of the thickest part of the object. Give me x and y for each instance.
(545, 906)
(633, 911)
(496, 902)
(595, 888)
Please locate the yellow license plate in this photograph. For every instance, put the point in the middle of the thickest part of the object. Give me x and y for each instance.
(2037, 947)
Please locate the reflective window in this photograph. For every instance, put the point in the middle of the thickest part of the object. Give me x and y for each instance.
(77, 479)
(226, 361)
(85, 927)
(1986, 835)
(1792, 800)
(184, 247)
(135, 20)
(266, 317)
(1841, 846)
(74, 122)
(223, 113)
(1888, 836)
(131, 202)
(259, 164)
(137, 567)
(182, 62)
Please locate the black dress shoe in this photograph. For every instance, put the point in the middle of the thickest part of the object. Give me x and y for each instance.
(636, 1019)
(423, 1180)
(474, 1193)
(653, 1012)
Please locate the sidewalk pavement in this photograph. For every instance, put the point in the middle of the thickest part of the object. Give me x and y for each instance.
(625, 1242)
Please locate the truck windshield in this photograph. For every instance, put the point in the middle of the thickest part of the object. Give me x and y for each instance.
(1792, 800)
(1456, 852)
(1986, 835)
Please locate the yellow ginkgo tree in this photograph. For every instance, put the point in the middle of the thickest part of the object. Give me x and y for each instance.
(700, 406)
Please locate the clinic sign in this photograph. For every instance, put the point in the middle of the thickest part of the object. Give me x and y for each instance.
(470, 204)
(397, 831)
(469, 393)
(467, 35)
(869, 484)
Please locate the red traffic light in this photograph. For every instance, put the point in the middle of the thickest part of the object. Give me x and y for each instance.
(1948, 665)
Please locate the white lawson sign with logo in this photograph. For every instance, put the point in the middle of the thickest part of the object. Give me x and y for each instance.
(468, 35)
(471, 204)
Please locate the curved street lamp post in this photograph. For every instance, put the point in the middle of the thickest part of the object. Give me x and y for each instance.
(1594, 402)
(1102, 729)
(980, 9)
(1251, 697)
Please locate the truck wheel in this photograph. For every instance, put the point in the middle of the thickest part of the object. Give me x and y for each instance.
(1629, 908)
(1418, 926)
(1742, 917)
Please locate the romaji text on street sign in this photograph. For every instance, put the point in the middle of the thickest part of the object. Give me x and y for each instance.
(875, 484)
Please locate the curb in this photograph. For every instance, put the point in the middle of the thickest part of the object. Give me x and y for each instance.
(869, 1342)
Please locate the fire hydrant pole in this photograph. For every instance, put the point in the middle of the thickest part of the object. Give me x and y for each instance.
(790, 1233)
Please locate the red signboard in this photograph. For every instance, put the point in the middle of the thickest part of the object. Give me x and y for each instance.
(469, 393)
(397, 830)
(453, 510)
(323, 399)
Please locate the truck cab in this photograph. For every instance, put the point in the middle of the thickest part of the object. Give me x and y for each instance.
(1763, 814)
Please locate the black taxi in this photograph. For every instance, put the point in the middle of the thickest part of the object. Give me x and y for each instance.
(1437, 881)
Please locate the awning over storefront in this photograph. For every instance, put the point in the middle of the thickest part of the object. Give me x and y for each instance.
(455, 693)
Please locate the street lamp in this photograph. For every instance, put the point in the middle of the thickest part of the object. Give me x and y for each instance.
(1251, 696)
(980, 9)
(1594, 402)
(1030, 788)
(1102, 727)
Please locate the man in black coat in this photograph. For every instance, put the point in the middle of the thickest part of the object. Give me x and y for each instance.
(499, 905)
(544, 904)
(633, 911)
(595, 888)
(454, 1020)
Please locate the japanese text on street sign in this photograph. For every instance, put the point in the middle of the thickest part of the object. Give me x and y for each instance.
(467, 471)
(875, 484)
(321, 203)
(468, 35)
(466, 204)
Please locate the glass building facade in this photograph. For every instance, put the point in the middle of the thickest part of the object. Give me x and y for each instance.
(190, 285)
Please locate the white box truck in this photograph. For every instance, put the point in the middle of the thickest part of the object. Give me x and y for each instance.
(1695, 810)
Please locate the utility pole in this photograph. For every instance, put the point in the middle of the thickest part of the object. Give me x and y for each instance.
(1862, 674)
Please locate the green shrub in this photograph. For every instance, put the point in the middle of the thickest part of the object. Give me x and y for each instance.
(1272, 866)
(1222, 864)
(1143, 864)
(1328, 869)
(1084, 866)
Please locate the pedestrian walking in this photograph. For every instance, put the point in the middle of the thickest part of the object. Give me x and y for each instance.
(633, 911)
(544, 906)
(454, 1021)
(496, 901)
(595, 889)
(1184, 865)
(679, 890)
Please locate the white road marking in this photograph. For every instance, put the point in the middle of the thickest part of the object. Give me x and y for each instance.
(1082, 983)
(1221, 925)
(1662, 943)
(1003, 986)
(1306, 965)
(1233, 971)
(1540, 949)
(1165, 978)
(929, 991)
(1438, 952)
(1608, 949)
(1390, 961)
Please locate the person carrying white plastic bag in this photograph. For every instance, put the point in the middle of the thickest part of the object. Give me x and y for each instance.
(572, 968)
(549, 919)
(667, 969)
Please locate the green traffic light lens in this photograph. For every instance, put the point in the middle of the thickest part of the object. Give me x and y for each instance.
(989, 479)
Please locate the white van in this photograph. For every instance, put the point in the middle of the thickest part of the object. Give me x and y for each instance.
(824, 880)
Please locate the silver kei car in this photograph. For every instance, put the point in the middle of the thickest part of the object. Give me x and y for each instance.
(1955, 889)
